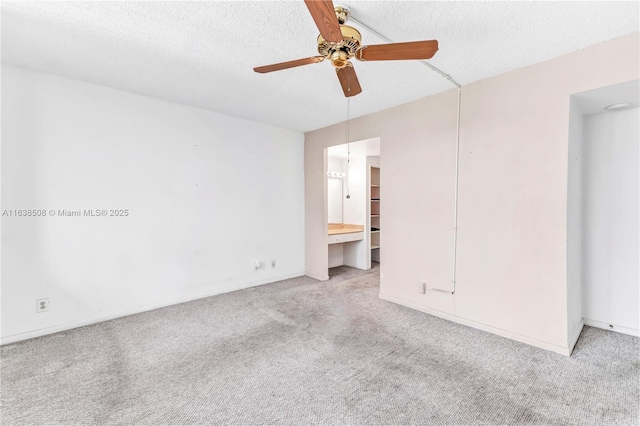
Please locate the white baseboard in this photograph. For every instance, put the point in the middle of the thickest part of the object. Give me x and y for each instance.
(5, 340)
(317, 277)
(484, 327)
(573, 339)
(617, 328)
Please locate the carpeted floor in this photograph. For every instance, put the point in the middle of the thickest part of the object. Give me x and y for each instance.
(304, 352)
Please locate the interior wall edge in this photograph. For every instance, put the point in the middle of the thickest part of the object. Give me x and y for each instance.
(573, 338)
(316, 277)
(574, 216)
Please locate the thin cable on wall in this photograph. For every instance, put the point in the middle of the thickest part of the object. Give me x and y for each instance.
(455, 207)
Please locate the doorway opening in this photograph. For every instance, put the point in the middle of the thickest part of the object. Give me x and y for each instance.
(603, 209)
(354, 206)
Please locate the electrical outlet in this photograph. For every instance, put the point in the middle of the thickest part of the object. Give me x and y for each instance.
(42, 305)
(273, 263)
(422, 287)
(257, 265)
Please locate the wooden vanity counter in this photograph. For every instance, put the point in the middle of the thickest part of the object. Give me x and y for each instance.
(343, 228)
(343, 238)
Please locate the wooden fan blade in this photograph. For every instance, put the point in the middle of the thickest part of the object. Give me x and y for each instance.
(349, 81)
(290, 64)
(324, 15)
(398, 51)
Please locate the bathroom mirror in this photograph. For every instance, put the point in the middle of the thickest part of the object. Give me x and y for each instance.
(334, 195)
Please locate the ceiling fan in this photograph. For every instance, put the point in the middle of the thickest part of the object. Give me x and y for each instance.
(338, 43)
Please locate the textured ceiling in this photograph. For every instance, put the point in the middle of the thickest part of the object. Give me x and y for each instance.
(202, 53)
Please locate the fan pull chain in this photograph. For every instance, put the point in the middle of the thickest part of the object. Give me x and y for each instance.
(348, 145)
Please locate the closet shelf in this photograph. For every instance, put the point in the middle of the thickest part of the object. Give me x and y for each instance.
(373, 247)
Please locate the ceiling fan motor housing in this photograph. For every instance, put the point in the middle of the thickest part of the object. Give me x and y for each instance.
(340, 53)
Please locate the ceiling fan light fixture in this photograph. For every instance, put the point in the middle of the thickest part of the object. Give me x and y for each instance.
(339, 59)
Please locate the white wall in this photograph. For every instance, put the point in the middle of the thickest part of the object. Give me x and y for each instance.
(335, 190)
(355, 253)
(335, 208)
(355, 207)
(207, 194)
(610, 220)
(335, 164)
